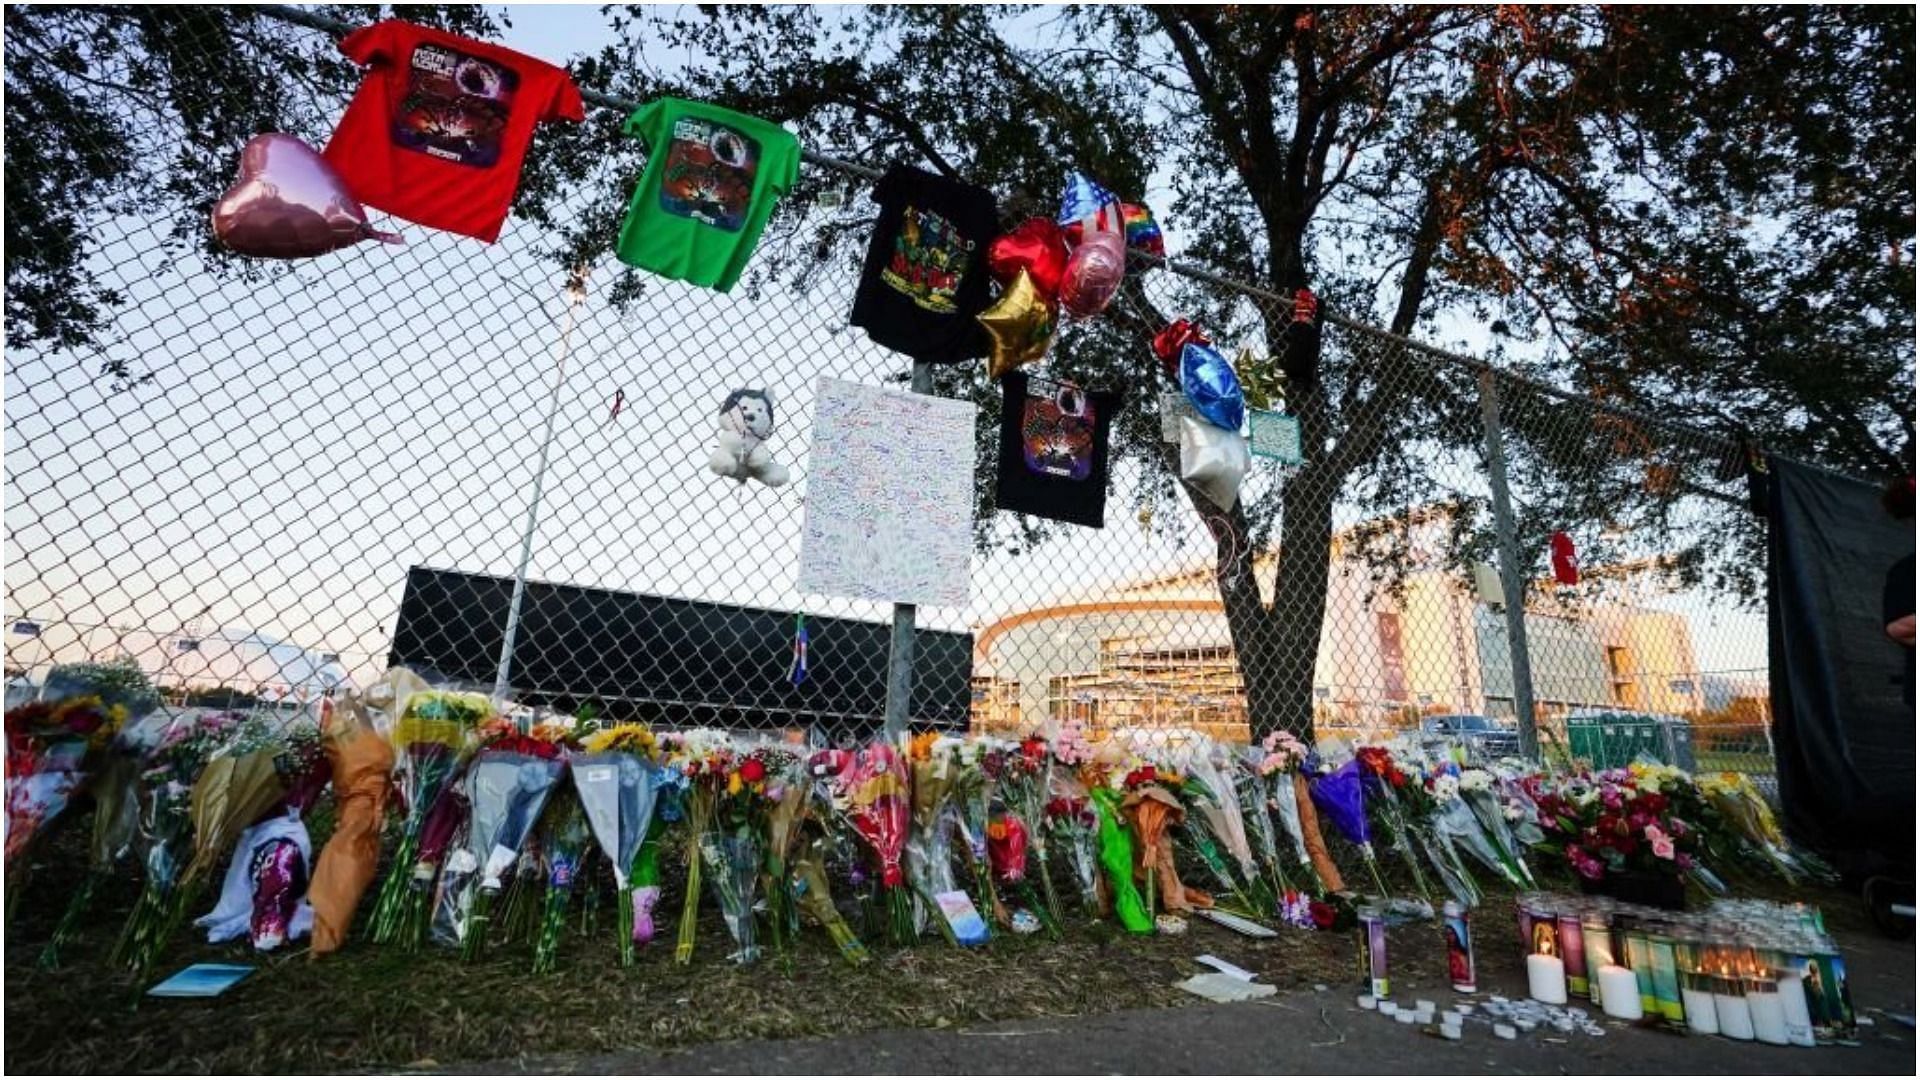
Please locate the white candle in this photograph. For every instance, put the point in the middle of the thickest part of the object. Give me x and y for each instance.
(1700, 1015)
(1547, 979)
(1793, 998)
(1619, 993)
(1769, 1016)
(1730, 1010)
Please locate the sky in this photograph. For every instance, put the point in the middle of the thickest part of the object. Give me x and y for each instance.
(310, 435)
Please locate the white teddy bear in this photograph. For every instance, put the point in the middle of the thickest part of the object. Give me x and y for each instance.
(746, 419)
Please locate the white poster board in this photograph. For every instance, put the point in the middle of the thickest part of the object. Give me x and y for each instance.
(889, 510)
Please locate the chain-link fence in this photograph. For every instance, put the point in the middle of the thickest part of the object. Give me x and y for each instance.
(324, 468)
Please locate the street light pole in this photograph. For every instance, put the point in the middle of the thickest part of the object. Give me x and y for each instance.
(576, 292)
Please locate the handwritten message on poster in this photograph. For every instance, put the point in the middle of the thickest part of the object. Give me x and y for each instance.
(889, 496)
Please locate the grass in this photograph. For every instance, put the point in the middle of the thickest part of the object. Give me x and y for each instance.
(368, 1008)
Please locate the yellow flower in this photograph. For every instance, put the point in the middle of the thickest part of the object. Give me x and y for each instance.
(733, 783)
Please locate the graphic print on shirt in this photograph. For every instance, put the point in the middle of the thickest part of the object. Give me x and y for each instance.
(456, 106)
(709, 174)
(929, 257)
(1056, 434)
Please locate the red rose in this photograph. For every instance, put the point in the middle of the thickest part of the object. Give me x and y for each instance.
(752, 771)
(1323, 914)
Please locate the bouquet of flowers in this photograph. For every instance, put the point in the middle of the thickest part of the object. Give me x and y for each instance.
(1151, 805)
(1073, 823)
(1341, 796)
(870, 791)
(429, 734)
(442, 842)
(1007, 853)
(782, 779)
(1620, 828)
(116, 823)
(1025, 781)
(508, 784)
(618, 784)
(566, 844)
(808, 882)
(1742, 808)
(935, 765)
(362, 763)
(1213, 805)
(1456, 826)
(1263, 834)
(1116, 858)
(981, 762)
(706, 759)
(1384, 781)
(53, 742)
(275, 767)
(1283, 767)
(1477, 790)
(168, 776)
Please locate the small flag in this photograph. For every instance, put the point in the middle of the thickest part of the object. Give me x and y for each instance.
(797, 672)
(187, 644)
(619, 399)
(27, 629)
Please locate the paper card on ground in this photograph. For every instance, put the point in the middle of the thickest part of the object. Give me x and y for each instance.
(968, 927)
(202, 980)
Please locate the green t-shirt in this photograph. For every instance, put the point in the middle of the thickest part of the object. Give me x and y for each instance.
(711, 180)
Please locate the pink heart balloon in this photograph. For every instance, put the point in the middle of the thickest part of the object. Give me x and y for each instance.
(1093, 274)
(289, 204)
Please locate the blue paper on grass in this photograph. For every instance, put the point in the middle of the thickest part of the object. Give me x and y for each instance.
(202, 980)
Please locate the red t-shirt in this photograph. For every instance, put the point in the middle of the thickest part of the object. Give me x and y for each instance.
(437, 131)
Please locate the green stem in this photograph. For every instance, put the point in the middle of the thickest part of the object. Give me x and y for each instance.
(68, 928)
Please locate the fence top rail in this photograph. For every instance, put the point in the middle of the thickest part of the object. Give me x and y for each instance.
(329, 24)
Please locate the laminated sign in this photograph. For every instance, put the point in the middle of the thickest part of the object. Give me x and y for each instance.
(1274, 435)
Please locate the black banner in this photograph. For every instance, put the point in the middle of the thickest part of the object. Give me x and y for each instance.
(1843, 730)
(694, 662)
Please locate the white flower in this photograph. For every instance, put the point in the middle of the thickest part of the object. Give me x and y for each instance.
(1446, 788)
(1476, 780)
(1512, 812)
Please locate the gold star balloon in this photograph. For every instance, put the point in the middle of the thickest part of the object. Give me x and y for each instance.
(1021, 324)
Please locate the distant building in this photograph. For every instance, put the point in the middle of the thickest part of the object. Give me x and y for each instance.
(1158, 652)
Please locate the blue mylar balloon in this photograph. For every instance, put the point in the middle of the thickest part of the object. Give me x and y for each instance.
(1211, 385)
(1083, 198)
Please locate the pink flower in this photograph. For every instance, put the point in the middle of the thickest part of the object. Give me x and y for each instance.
(1685, 860)
(1654, 835)
(1677, 827)
(1663, 847)
(1610, 797)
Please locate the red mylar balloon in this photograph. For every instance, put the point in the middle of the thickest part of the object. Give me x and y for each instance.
(1169, 343)
(1037, 248)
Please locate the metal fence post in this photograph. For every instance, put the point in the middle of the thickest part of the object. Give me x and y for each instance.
(900, 654)
(1512, 589)
(576, 292)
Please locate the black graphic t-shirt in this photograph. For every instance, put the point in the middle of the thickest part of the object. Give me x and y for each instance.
(926, 277)
(1053, 449)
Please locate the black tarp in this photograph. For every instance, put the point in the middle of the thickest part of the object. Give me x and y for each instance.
(1843, 733)
(701, 662)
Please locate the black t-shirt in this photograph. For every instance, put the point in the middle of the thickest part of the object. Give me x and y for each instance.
(1053, 449)
(926, 272)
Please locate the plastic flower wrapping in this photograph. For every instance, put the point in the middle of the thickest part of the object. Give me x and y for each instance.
(618, 790)
(431, 733)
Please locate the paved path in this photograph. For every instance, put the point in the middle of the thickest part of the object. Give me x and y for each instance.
(1305, 1032)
